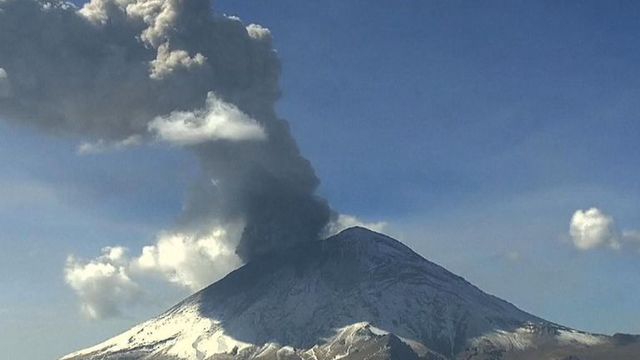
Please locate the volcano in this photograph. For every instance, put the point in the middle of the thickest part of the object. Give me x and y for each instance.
(356, 295)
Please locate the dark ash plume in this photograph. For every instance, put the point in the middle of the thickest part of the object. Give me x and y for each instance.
(119, 72)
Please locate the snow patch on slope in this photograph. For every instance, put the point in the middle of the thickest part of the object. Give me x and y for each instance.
(184, 334)
(419, 348)
(581, 338)
(531, 335)
(520, 339)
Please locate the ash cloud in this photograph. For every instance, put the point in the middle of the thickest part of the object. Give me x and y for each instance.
(116, 73)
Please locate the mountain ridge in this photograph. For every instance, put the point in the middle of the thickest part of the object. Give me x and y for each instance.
(303, 300)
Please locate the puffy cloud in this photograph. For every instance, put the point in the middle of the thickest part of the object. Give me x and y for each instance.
(5, 88)
(592, 228)
(342, 221)
(217, 121)
(103, 285)
(259, 32)
(169, 61)
(190, 260)
(114, 280)
(161, 17)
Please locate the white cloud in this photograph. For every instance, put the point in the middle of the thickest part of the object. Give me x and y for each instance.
(97, 11)
(112, 281)
(161, 19)
(592, 228)
(168, 61)
(103, 285)
(102, 146)
(160, 16)
(190, 260)
(5, 86)
(217, 121)
(259, 32)
(343, 221)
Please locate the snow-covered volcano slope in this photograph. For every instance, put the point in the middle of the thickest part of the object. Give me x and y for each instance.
(356, 295)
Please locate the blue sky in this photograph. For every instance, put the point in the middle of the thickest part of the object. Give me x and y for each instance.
(475, 130)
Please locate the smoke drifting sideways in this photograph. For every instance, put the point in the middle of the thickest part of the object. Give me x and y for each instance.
(117, 73)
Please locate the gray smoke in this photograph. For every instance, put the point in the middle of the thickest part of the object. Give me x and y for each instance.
(115, 73)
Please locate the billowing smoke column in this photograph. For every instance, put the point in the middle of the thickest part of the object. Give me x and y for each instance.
(116, 73)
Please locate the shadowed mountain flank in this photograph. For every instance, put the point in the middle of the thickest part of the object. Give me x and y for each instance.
(356, 295)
